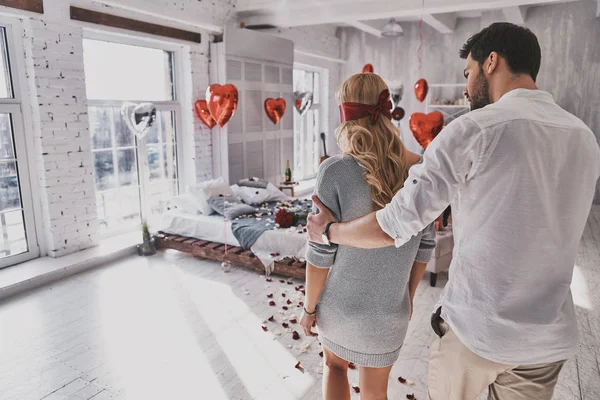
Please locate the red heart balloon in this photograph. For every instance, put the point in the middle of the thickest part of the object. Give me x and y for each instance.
(275, 108)
(368, 68)
(201, 107)
(421, 89)
(222, 102)
(425, 127)
(398, 113)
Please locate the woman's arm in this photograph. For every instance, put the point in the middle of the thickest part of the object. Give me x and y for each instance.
(416, 274)
(315, 281)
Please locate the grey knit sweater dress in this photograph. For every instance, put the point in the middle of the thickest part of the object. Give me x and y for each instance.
(364, 309)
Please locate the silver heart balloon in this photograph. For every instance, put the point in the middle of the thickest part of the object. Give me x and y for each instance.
(303, 101)
(396, 92)
(139, 117)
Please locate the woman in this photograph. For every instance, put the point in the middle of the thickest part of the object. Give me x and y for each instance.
(361, 299)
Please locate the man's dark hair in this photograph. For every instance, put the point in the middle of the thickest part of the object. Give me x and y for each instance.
(516, 44)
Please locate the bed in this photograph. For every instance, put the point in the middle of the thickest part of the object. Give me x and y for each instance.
(276, 251)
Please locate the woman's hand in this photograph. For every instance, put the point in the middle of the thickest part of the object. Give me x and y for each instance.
(307, 322)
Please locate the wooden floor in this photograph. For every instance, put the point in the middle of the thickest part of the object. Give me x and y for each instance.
(173, 327)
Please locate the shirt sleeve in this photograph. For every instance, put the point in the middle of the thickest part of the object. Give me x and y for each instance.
(427, 245)
(326, 189)
(450, 161)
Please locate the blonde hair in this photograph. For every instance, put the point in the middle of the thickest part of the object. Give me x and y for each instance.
(377, 147)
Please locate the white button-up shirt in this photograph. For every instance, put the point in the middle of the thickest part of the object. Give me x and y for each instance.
(520, 174)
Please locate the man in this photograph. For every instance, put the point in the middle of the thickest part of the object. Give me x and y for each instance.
(520, 173)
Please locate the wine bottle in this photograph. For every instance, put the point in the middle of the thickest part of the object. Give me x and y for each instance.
(288, 172)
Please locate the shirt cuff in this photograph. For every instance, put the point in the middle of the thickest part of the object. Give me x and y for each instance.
(385, 221)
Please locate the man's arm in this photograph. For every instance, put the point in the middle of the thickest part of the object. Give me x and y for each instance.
(450, 161)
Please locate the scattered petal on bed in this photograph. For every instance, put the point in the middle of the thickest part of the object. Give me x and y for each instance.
(401, 379)
(282, 281)
(351, 366)
(301, 303)
(285, 325)
(264, 328)
(293, 321)
(321, 354)
(271, 318)
(282, 294)
(270, 295)
(356, 389)
(269, 280)
(297, 366)
(285, 308)
(288, 302)
(272, 303)
(411, 396)
(295, 335)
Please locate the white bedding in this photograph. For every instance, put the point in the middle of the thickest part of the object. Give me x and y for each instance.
(288, 243)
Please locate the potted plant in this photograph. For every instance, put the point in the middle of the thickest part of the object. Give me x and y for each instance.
(147, 247)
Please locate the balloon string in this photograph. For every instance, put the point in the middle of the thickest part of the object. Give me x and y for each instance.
(225, 220)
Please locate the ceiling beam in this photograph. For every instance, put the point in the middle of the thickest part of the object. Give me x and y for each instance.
(443, 23)
(515, 15)
(366, 28)
(283, 14)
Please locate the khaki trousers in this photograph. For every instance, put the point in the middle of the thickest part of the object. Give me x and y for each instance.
(456, 373)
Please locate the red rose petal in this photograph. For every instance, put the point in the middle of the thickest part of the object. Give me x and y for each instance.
(282, 281)
(270, 295)
(285, 325)
(300, 303)
(356, 389)
(272, 303)
(321, 354)
(271, 318)
(289, 302)
(269, 280)
(301, 286)
(295, 335)
(401, 379)
(293, 320)
(290, 283)
(264, 328)
(297, 289)
(285, 308)
(297, 366)
(282, 294)
(411, 396)
(351, 366)
(303, 292)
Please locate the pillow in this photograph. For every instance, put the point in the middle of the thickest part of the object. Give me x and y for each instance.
(187, 203)
(276, 194)
(250, 195)
(217, 187)
(211, 188)
(230, 206)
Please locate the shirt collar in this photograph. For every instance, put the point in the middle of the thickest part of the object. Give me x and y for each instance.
(528, 93)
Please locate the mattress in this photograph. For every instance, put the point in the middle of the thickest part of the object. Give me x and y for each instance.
(272, 245)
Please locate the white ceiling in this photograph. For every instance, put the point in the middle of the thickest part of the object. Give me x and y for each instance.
(371, 15)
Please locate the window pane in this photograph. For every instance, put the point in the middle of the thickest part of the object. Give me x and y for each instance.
(170, 161)
(12, 234)
(10, 197)
(101, 123)
(117, 71)
(154, 162)
(104, 169)
(128, 174)
(123, 135)
(6, 91)
(7, 149)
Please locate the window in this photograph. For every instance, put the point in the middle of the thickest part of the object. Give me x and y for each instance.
(134, 177)
(17, 231)
(306, 127)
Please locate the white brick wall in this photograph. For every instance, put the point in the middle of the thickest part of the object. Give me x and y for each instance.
(202, 135)
(62, 144)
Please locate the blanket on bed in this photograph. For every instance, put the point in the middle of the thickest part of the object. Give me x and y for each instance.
(248, 228)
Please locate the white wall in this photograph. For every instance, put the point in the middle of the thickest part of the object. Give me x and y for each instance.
(56, 109)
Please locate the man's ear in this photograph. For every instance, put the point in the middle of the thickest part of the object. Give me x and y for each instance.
(491, 63)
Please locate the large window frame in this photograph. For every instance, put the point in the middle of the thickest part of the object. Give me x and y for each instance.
(14, 107)
(321, 110)
(173, 106)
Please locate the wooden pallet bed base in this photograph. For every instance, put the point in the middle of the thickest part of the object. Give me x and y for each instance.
(236, 255)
